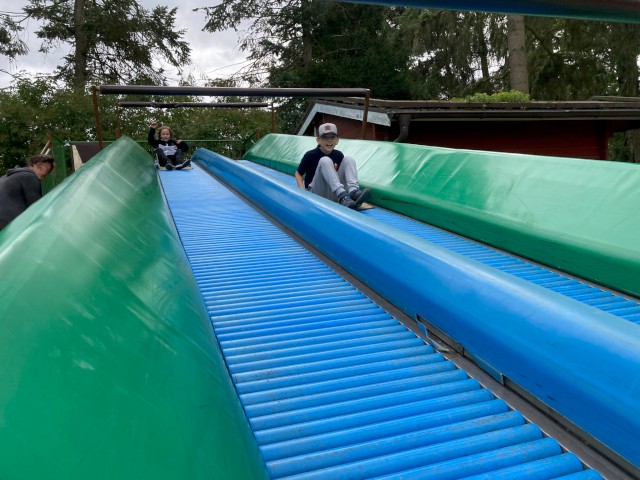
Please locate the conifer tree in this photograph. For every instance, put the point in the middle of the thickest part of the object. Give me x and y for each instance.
(113, 41)
(311, 43)
(10, 44)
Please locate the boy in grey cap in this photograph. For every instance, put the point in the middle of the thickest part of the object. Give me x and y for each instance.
(327, 172)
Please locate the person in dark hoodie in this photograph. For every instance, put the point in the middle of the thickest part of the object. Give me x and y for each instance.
(21, 187)
(169, 151)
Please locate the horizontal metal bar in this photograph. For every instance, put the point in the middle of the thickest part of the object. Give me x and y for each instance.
(233, 91)
(195, 105)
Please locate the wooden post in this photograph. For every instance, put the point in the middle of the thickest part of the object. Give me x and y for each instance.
(47, 147)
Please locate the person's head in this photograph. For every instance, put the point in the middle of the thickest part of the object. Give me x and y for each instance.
(42, 165)
(327, 137)
(165, 133)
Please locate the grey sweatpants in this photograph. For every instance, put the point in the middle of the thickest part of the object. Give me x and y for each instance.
(331, 184)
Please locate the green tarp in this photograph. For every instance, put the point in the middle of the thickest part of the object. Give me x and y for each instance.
(580, 216)
(110, 369)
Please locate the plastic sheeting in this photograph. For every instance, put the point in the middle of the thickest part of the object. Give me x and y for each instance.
(612, 10)
(109, 364)
(580, 361)
(580, 216)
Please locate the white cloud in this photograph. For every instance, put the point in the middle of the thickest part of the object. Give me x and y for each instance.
(213, 55)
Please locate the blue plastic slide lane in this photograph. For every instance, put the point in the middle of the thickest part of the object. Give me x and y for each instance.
(574, 358)
(570, 287)
(332, 385)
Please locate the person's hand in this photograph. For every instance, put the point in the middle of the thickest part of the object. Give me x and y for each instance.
(153, 124)
(335, 165)
(178, 142)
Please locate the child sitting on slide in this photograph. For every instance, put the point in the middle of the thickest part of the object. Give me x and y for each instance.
(169, 151)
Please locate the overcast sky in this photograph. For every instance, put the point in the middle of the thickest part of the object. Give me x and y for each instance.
(214, 55)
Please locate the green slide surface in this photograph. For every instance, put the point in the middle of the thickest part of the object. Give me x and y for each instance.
(110, 369)
(579, 216)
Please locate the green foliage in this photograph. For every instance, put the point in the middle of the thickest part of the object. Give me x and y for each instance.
(568, 59)
(117, 40)
(398, 53)
(316, 44)
(10, 44)
(621, 147)
(290, 113)
(320, 44)
(454, 54)
(514, 96)
(223, 130)
(33, 107)
(356, 46)
(457, 54)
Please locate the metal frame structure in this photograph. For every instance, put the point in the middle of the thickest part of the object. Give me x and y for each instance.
(225, 91)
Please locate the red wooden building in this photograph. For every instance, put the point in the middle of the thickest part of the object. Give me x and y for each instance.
(567, 129)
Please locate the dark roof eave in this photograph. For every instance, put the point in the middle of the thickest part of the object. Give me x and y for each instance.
(411, 106)
(441, 115)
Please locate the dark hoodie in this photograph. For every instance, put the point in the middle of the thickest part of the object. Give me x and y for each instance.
(19, 188)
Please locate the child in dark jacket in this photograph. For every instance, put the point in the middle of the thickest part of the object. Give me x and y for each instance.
(20, 187)
(169, 151)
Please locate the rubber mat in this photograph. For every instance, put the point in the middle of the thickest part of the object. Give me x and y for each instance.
(333, 386)
(586, 293)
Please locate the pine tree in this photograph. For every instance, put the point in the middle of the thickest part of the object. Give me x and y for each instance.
(310, 43)
(113, 41)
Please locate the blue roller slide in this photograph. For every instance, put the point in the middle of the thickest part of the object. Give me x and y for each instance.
(335, 387)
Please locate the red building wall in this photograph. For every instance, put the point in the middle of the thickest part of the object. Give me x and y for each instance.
(348, 128)
(553, 137)
(579, 139)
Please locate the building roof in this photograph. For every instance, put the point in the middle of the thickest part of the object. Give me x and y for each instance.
(384, 112)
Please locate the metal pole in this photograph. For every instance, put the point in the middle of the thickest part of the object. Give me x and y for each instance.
(365, 114)
(194, 105)
(240, 92)
(273, 119)
(96, 112)
(233, 91)
(118, 132)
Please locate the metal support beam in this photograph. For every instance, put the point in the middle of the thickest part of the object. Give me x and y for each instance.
(227, 92)
(96, 112)
(233, 91)
(195, 105)
(365, 114)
